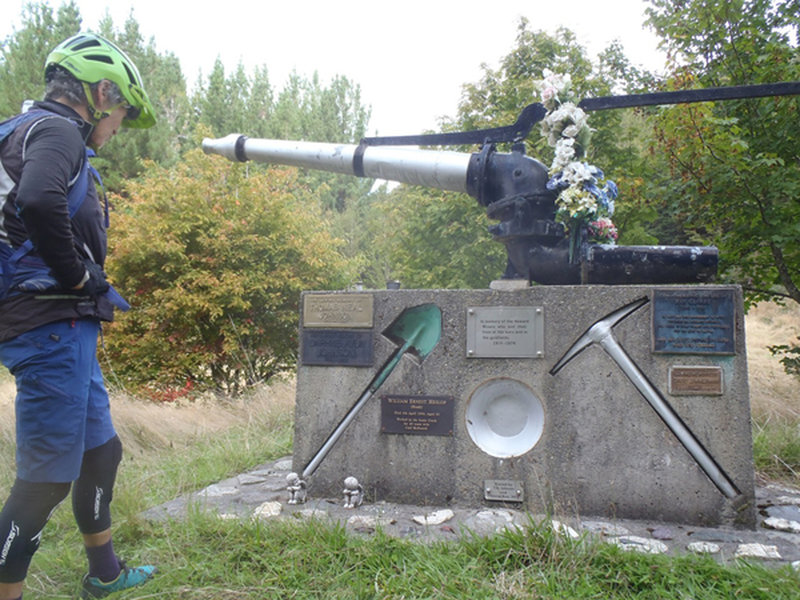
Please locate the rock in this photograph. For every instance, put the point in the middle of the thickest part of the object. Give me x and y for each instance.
(565, 530)
(757, 551)
(216, 490)
(723, 537)
(788, 500)
(703, 547)
(489, 521)
(267, 510)
(283, 465)
(250, 479)
(435, 518)
(640, 544)
(607, 529)
(662, 533)
(790, 513)
(311, 513)
(782, 524)
(368, 523)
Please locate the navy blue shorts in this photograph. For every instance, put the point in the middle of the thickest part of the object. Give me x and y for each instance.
(62, 406)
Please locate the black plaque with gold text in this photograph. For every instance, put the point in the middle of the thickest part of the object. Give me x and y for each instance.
(336, 347)
(417, 415)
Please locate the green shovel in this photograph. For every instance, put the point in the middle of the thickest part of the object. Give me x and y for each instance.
(418, 330)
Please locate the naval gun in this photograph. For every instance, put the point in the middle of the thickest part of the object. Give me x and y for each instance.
(512, 187)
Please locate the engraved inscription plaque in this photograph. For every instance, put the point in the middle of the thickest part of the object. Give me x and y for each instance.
(693, 321)
(505, 332)
(337, 310)
(503, 490)
(417, 415)
(337, 347)
(695, 380)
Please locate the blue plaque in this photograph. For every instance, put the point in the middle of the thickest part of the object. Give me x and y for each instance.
(336, 347)
(694, 321)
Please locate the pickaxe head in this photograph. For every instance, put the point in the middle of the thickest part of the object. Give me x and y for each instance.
(597, 332)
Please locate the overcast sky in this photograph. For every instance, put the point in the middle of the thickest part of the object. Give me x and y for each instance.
(410, 57)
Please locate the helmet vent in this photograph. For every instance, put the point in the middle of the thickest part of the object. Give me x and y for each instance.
(131, 77)
(100, 58)
(87, 43)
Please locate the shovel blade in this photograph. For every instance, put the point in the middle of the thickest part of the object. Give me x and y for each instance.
(418, 328)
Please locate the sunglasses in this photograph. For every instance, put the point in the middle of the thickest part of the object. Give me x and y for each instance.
(132, 113)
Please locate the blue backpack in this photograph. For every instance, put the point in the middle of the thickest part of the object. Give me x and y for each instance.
(20, 271)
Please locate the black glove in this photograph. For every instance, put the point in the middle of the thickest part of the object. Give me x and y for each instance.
(96, 284)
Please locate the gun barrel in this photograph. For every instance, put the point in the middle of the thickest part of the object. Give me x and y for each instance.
(444, 170)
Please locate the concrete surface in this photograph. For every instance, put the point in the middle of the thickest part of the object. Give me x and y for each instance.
(262, 493)
(603, 449)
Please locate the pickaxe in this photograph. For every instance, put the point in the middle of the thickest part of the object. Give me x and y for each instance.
(418, 330)
(601, 333)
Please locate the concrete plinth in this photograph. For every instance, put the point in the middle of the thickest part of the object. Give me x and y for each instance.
(597, 446)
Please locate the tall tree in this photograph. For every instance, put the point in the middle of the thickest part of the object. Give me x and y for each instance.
(166, 88)
(24, 52)
(734, 167)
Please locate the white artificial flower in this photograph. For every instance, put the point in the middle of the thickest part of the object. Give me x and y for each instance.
(565, 153)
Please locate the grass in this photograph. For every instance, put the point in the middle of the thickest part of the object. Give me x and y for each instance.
(776, 448)
(202, 557)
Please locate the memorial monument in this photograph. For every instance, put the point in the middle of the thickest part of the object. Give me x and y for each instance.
(617, 387)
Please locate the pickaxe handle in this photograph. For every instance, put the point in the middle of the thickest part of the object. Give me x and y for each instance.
(670, 417)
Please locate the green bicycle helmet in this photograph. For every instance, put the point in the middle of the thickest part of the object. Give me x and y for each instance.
(91, 58)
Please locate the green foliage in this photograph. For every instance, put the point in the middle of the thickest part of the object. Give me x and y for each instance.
(616, 147)
(790, 357)
(733, 168)
(24, 52)
(213, 260)
(304, 109)
(435, 239)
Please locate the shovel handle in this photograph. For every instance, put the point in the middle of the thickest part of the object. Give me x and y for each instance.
(355, 409)
(337, 433)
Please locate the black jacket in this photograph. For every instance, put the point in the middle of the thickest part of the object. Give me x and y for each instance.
(39, 162)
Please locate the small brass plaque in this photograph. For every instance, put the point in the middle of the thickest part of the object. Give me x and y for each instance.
(505, 332)
(419, 415)
(503, 490)
(337, 310)
(695, 381)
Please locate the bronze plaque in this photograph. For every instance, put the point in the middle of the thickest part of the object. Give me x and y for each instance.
(337, 310)
(503, 490)
(695, 381)
(505, 332)
(336, 347)
(693, 321)
(417, 415)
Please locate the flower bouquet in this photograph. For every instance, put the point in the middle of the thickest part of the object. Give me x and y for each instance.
(585, 201)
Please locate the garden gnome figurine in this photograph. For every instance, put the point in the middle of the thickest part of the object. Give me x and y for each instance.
(353, 493)
(297, 489)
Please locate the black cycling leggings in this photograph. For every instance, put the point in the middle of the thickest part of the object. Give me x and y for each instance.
(30, 505)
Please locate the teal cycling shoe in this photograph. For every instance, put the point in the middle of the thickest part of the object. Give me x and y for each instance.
(94, 587)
